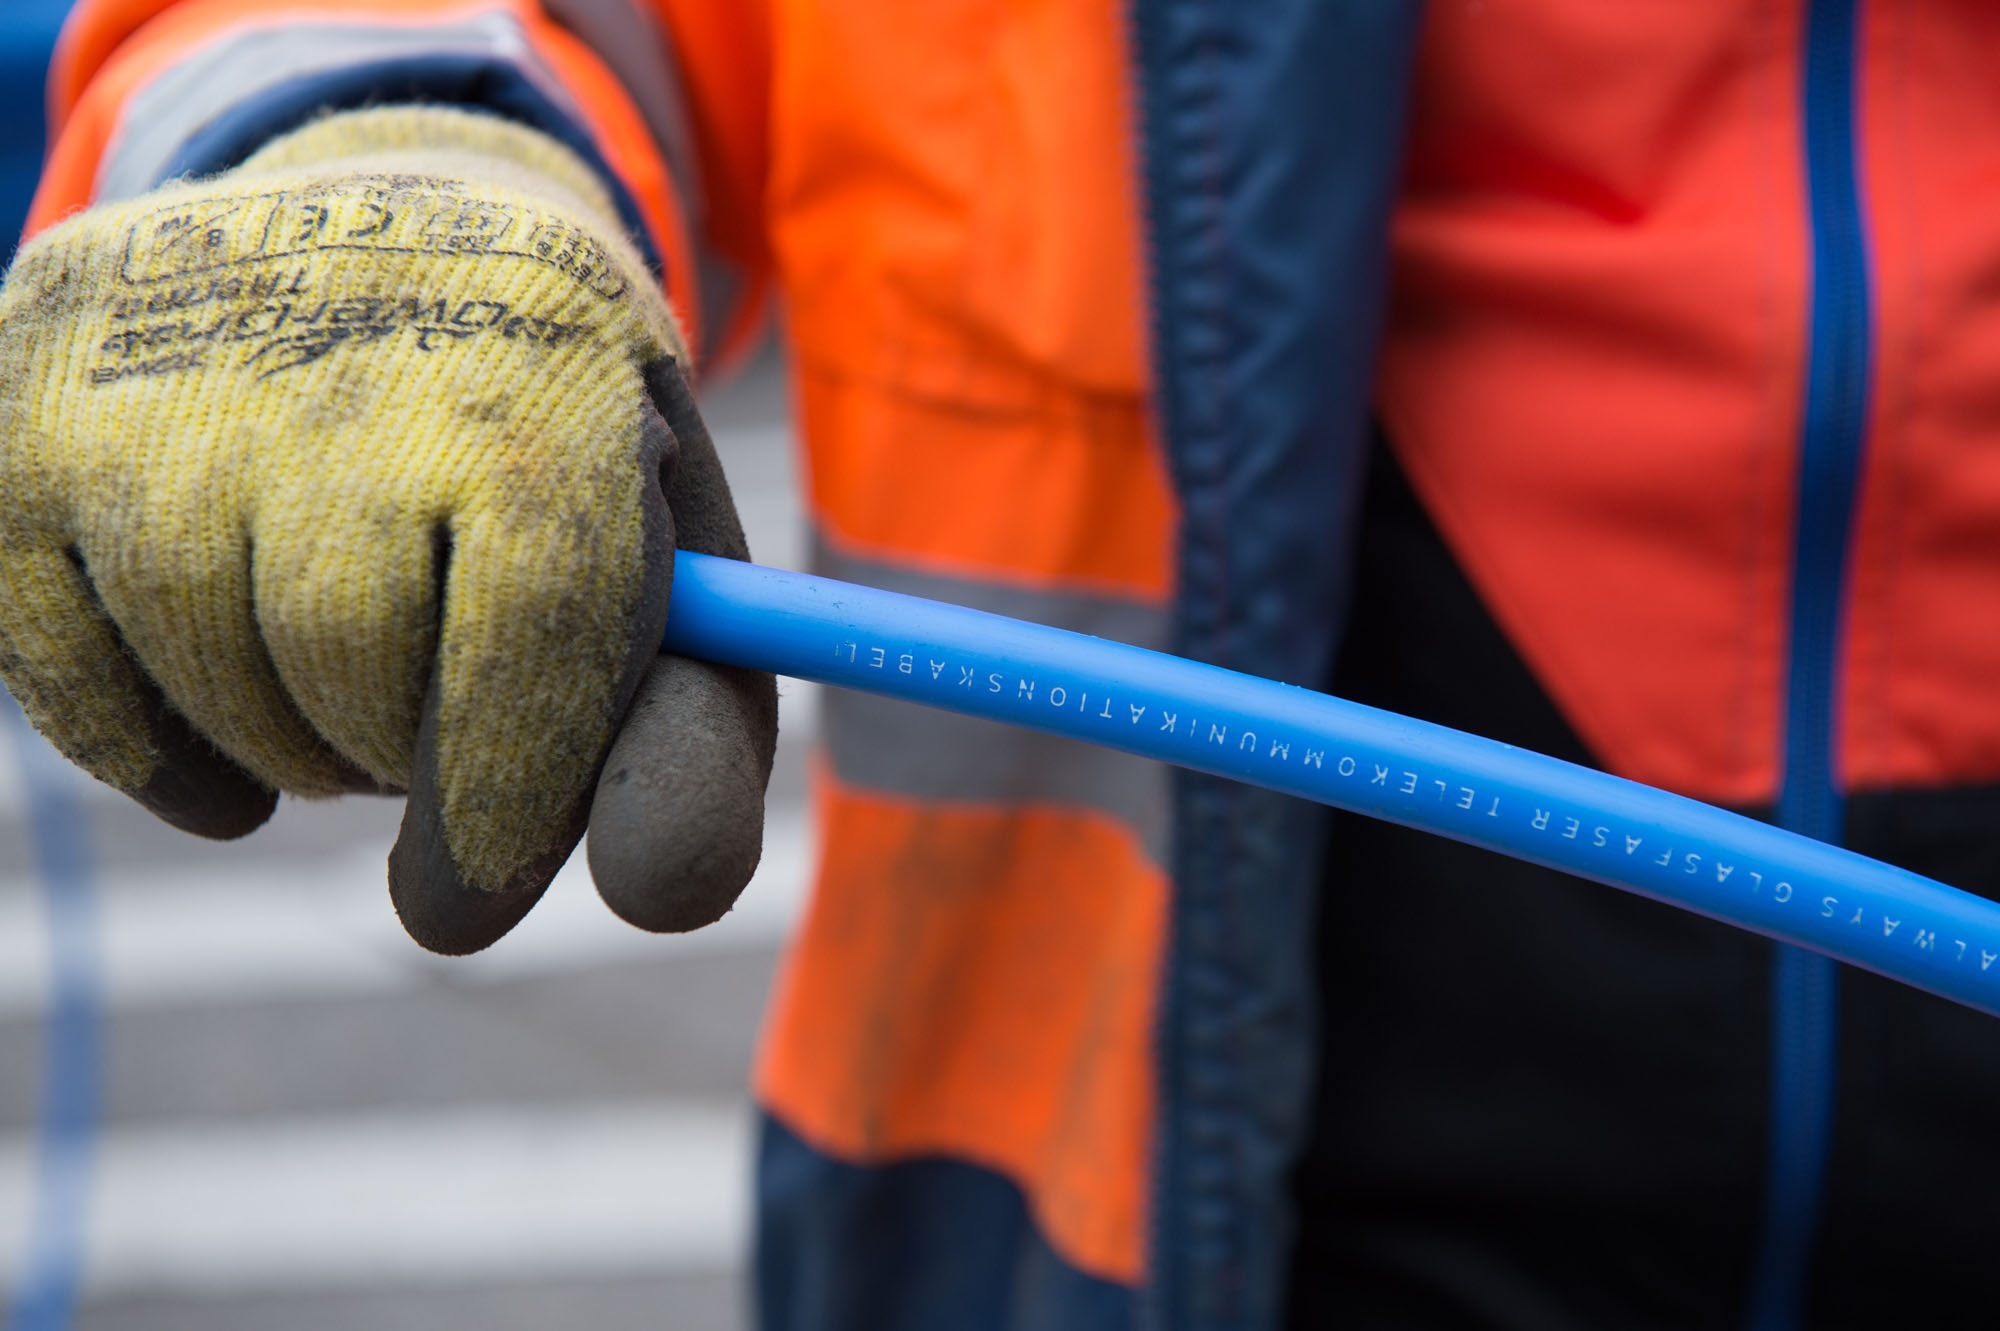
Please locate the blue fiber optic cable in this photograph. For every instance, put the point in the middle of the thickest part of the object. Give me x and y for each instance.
(1331, 751)
(49, 1274)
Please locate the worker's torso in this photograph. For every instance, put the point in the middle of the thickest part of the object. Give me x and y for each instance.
(1657, 274)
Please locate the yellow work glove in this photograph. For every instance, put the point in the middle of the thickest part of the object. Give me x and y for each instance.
(361, 466)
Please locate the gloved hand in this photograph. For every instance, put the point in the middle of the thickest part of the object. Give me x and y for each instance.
(362, 466)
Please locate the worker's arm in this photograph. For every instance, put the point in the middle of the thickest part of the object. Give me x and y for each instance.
(359, 459)
(667, 97)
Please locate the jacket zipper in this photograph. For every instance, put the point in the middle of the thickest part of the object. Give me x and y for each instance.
(1805, 986)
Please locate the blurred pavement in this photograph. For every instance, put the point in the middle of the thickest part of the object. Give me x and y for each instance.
(311, 1124)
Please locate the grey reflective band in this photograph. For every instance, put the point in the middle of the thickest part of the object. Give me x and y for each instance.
(159, 118)
(634, 43)
(897, 748)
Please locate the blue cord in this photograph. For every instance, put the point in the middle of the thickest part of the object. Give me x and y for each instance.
(1325, 749)
(1284, 738)
(1805, 990)
(45, 1295)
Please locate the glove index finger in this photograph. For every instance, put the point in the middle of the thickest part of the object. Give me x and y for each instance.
(554, 604)
(443, 910)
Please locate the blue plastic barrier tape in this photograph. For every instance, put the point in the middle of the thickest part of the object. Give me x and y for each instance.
(1334, 752)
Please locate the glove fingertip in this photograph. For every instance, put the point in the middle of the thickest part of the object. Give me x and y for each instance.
(437, 907)
(677, 825)
(672, 888)
(215, 800)
(196, 789)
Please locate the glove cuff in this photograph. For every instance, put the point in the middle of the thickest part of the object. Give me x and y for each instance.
(441, 141)
(452, 143)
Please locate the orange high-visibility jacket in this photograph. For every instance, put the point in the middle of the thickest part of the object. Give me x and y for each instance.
(1685, 356)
